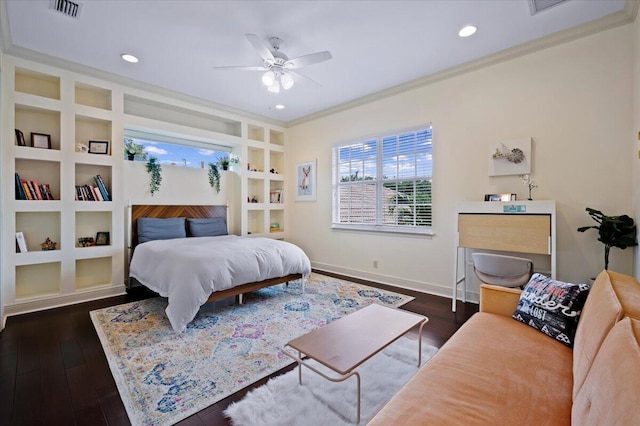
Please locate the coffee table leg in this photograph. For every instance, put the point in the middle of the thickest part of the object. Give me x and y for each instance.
(358, 377)
(420, 343)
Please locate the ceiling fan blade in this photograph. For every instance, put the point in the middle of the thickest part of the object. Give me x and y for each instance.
(312, 58)
(261, 47)
(299, 77)
(247, 68)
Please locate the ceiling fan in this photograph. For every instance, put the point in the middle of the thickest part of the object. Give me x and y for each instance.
(277, 66)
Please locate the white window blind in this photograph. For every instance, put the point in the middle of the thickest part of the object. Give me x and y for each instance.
(384, 183)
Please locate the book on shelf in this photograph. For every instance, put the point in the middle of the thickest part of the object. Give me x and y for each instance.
(276, 196)
(21, 242)
(103, 188)
(20, 194)
(31, 189)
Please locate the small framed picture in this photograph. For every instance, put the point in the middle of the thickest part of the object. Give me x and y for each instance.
(306, 181)
(102, 239)
(40, 140)
(20, 138)
(99, 147)
(500, 197)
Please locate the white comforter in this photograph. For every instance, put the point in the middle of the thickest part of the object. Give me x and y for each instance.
(188, 270)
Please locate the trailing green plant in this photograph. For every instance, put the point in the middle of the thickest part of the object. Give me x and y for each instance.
(613, 231)
(214, 176)
(155, 173)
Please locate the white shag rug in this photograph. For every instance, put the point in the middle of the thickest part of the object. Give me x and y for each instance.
(320, 402)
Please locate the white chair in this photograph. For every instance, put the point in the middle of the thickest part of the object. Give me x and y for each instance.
(505, 271)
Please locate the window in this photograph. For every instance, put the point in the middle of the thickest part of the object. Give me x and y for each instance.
(174, 151)
(384, 183)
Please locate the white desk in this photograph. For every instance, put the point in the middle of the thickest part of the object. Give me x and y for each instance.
(509, 226)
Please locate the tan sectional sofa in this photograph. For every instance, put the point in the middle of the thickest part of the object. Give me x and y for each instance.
(497, 371)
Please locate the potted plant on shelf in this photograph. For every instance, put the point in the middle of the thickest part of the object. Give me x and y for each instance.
(613, 231)
(132, 149)
(155, 173)
(226, 161)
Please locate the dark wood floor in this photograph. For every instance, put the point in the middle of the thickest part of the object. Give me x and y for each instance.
(53, 370)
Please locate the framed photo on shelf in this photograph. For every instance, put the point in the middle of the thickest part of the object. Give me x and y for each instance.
(20, 138)
(40, 140)
(500, 197)
(99, 147)
(306, 181)
(21, 242)
(102, 239)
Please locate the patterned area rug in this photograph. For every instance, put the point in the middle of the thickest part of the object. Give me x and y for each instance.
(164, 377)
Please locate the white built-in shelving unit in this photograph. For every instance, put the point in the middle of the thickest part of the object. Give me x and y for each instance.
(72, 112)
(74, 109)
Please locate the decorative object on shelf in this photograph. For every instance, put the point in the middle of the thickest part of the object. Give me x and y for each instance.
(511, 157)
(155, 173)
(275, 196)
(21, 243)
(254, 199)
(40, 140)
(274, 171)
(86, 242)
(132, 149)
(48, 244)
(531, 184)
(613, 231)
(82, 148)
(306, 181)
(102, 239)
(20, 138)
(99, 147)
(500, 197)
(214, 177)
(226, 161)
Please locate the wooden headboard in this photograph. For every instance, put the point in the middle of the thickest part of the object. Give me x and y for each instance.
(165, 212)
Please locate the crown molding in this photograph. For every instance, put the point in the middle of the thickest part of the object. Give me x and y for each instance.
(626, 16)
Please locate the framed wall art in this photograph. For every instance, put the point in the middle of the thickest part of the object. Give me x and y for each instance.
(99, 147)
(306, 181)
(40, 140)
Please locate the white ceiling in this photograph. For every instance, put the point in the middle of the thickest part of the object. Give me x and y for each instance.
(375, 44)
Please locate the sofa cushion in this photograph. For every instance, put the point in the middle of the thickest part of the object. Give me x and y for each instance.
(610, 392)
(552, 307)
(493, 370)
(600, 313)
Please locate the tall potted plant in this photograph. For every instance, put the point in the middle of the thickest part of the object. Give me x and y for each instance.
(613, 231)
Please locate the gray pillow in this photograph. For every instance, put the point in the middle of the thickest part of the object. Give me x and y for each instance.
(209, 227)
(150, 229)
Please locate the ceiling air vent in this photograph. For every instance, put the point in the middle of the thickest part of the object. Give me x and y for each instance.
(66, 7)
(539, 5)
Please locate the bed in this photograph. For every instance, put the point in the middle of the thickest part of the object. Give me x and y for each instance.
(184, 253)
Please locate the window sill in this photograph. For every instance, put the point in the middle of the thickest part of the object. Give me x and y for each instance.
(385, 229)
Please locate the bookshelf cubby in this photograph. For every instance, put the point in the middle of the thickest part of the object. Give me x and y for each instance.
(38, 280)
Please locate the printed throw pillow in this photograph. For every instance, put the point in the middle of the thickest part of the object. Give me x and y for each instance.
(552, 307)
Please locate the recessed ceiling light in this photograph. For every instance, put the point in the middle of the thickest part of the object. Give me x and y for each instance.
(279, 106)
(467, 31)
(129, 58)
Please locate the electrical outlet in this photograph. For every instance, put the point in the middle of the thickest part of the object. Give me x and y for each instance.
(375, 264)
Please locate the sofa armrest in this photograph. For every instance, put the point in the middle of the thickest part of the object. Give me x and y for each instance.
(499, 300)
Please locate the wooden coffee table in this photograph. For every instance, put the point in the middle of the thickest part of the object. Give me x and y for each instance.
(346, 343)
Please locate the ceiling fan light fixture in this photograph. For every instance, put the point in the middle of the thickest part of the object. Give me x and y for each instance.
(268, 78)
(130, 58)
(287, 81)
(275, 87)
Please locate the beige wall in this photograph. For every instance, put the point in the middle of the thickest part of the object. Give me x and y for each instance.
(573, 100)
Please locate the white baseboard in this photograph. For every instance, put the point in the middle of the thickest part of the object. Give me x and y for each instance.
(422, 287)
(50, 302)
